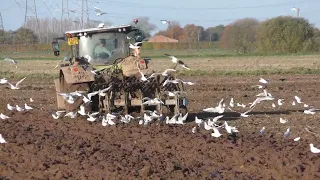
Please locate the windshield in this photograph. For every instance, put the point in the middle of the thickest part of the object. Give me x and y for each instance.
(103, 48)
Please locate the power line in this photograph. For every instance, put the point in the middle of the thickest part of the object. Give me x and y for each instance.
(1, 25)
(202, 8)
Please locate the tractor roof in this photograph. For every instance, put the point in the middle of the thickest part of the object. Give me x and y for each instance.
(120, 28)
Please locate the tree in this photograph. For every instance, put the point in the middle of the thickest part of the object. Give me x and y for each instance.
(145, 26)
(285, 34)
(175, 31)
(240, 35)
(24, 36)
(214, 33)
(190, 33)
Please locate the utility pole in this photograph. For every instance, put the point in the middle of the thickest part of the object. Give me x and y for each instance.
(84, 12)
(31, 12)
(1, 29)
(1, 24)
(64, 10)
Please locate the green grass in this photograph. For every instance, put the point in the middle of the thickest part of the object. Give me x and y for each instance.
(201, 66)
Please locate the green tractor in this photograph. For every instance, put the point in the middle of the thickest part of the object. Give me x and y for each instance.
(100, 58)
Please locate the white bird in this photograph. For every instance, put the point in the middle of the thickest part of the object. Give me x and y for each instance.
(152, 101)
(98, 11)
(82, 110)
(177, 61)
(198, 121)
(71, 114)
(17, 84)
(2, 140)
(214, 120)
(216, 132)
(230, 129)
(108, 119)
(245, 113)
(241, 105)
(19, 108)
(12, 61)
(101, 25)
(314, 149)
(126, 118)
(262, 130)
(231, 104)
(273, 105)
(263, 81)
(293, 103)
(298, 99)
(282, 121)
(102, 92)
(194, 129)
(218, 109)
(27, 107)
(296, 139)
(143, 78)
(91, 117)
(260, 99)
(2, 116)
(57, 115)
(305, 105)
(31, 100)
(165, 22)
(3, 81)
(287, 133)
(280, 103)
(136, 45)
(11, 108)
(310, 111)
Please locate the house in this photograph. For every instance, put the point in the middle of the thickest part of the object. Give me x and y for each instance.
(161, 38)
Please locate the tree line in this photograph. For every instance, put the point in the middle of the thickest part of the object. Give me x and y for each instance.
(282, 34)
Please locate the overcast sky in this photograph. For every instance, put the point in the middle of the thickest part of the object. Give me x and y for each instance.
(200, 12)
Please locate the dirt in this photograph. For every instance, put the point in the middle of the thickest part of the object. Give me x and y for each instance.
(40, 147)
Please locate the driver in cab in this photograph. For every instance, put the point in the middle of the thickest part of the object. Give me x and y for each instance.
(101, 51)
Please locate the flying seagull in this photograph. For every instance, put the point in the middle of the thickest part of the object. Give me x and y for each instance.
(165, 22)
(177, 61)
(17, 84)
(98, 11)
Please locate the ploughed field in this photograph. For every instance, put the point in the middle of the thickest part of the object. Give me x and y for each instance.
(40, 147)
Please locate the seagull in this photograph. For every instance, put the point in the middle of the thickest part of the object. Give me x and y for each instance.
(177, 61)
(298, 99)
(27, 107)
(218, 109)
(165, 22)
(107, 119)
(310, 111)
(11, 61)
(194, 129)
(101, 25)
(263, 81)
(91, 118)
(152, 101)
(282, 121)
(287, 133)
(296, 139)
(136, 45)
(2, 116)
(57, 115)
(262, 130)
(2, 139)
(231, 104)
(142, 78)
(71, 114)
(260, 99)
(198, 121)
(19, 108)
(245, 113)
(314, 149)
(216, 132)
(280, 103)
(31, 100)
(230, 129)
(11, 108)
(17, 84)
(3, 81)
(98, 11)
(82, 111)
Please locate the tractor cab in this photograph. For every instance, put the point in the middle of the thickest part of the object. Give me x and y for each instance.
(99, 46)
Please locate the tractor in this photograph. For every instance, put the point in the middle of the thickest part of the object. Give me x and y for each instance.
(100, 58)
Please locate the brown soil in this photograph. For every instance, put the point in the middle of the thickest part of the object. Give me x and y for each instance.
(40, 147)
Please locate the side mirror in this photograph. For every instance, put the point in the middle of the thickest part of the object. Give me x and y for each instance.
(56, 48)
